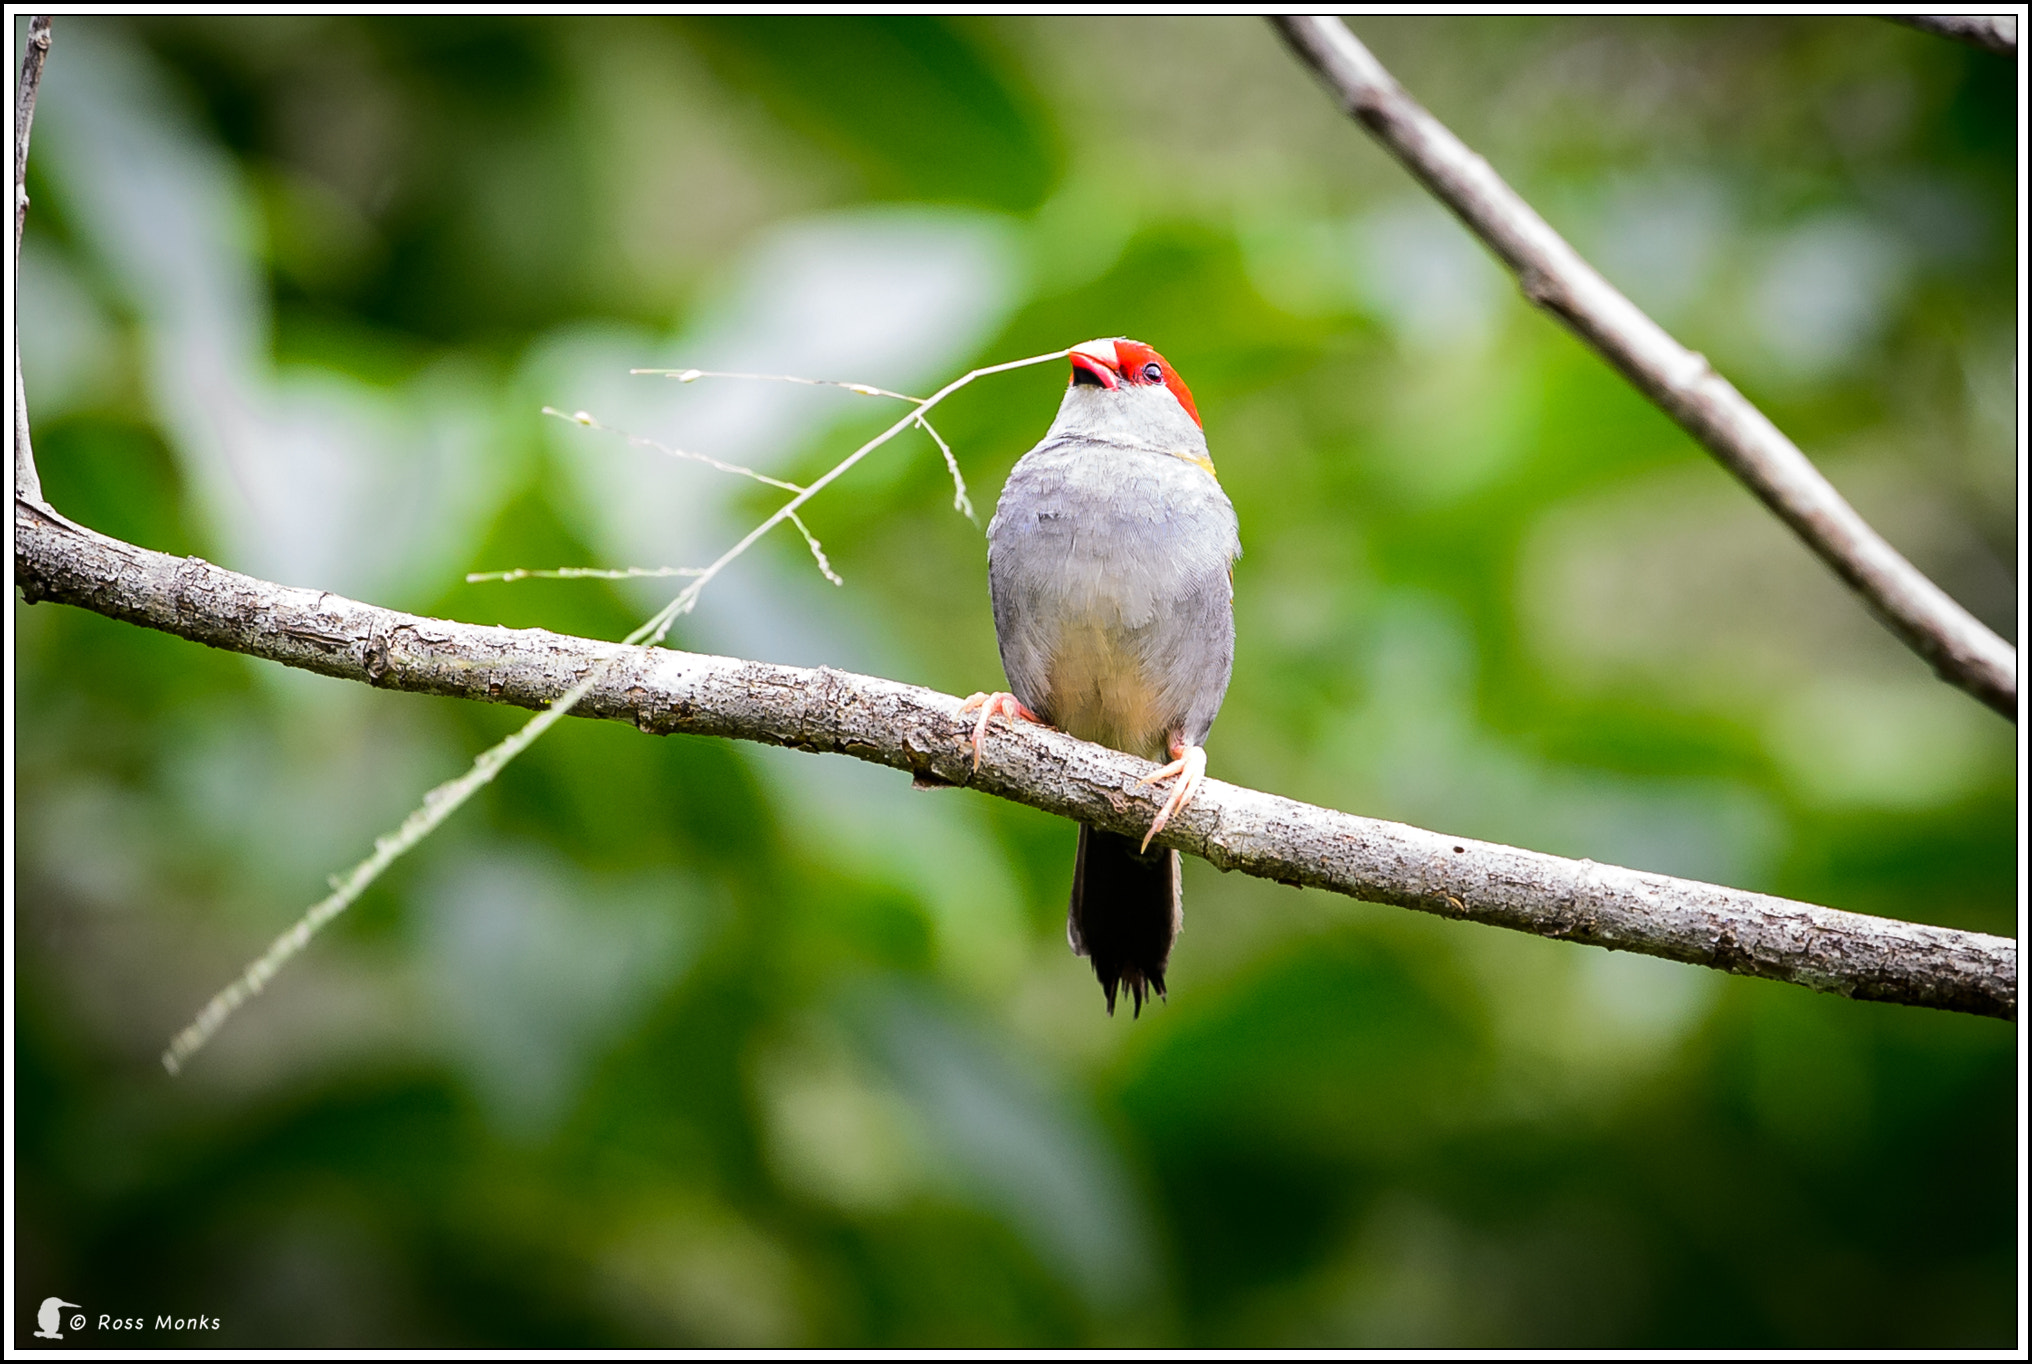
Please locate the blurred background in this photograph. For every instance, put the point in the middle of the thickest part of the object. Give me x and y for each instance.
(686, 1042)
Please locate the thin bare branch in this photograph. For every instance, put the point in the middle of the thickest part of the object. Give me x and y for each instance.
(1960, 648)
(961, 502)
(903, 423)
(32, 58)
(644, 443)
(922, 732)
(1992, 32)
(27, 481)
(824, 565)
(687, 376)
(439, 803)
(516, 575)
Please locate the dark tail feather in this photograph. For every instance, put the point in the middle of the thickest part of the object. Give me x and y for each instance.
(1125, 912)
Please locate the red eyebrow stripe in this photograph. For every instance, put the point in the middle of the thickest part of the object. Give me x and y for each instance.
(1134, 355)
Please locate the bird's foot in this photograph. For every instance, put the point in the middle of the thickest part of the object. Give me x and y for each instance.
(1188, 764)
(993, 703)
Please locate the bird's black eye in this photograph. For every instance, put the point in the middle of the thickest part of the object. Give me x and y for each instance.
(1153, 372)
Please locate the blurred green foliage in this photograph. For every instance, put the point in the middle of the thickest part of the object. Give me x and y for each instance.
(678, 1042)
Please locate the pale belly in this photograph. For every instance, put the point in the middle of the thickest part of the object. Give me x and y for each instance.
(1095, 689)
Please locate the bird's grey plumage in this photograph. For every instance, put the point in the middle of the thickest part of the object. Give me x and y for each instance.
(1109, 564)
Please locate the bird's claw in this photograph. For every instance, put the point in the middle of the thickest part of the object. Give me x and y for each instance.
(1188, 764)
(991, 704)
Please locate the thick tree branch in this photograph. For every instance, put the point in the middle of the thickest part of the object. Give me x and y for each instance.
(27, 483)
(920, 731)
(1996, 33)
(1959, 647)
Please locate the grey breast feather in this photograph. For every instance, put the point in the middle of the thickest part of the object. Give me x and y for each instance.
(1131, 544)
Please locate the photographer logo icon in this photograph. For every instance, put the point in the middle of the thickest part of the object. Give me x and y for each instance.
(49, 1316)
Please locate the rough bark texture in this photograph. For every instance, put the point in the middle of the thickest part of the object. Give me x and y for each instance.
(1960, 648)
(920, 731)
(26, 481)
(32, 58)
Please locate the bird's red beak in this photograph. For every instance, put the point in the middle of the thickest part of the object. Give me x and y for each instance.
(1094, 362)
